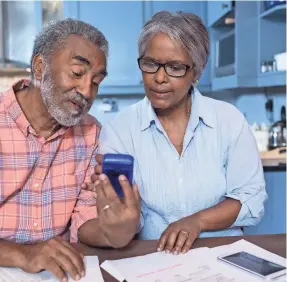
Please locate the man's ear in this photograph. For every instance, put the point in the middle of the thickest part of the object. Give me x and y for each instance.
(38, 66)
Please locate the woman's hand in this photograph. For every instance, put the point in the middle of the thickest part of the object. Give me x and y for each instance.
(180, 235)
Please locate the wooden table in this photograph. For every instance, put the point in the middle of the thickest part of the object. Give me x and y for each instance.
(273, 243)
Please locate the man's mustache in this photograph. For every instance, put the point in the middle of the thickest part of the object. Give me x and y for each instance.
(81, 99)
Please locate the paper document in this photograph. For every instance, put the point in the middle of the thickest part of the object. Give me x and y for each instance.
(197, 265)
(93, 273)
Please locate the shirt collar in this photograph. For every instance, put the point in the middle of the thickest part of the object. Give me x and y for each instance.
(147, 114)
(200, 110)
(14, 109)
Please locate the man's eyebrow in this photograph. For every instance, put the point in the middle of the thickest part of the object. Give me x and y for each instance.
(82, 59)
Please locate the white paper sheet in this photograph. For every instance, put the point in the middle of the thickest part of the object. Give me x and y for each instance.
(197, 265)
(93, 273)
(161, 267)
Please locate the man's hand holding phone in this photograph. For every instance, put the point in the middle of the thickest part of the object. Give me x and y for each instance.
(116, 215)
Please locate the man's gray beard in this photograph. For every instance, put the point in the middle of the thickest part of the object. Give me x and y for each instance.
(51, 98)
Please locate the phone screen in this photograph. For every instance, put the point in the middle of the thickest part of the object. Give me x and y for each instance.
(253, 263)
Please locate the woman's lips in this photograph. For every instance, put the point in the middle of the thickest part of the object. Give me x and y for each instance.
(160, 92)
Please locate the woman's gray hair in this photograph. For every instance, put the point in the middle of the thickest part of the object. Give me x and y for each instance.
(53, 36)
(186, 29)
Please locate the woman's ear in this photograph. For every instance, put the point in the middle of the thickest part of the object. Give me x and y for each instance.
(38, 66)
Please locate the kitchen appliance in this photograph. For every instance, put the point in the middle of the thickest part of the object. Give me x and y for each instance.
(277, 132)
(225, 54)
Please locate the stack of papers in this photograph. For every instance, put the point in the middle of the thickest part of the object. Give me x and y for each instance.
(197, 265)
(93, 273)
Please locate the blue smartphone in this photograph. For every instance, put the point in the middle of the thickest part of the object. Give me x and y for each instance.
(115, 165)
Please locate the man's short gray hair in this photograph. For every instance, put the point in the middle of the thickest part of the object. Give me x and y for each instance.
(54, 34)
(186, 29)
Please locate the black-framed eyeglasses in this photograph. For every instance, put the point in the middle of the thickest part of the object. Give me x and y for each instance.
(173, 69)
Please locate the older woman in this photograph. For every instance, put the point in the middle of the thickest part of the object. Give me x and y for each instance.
(196, 162)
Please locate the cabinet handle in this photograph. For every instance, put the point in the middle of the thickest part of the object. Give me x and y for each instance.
(224, 6)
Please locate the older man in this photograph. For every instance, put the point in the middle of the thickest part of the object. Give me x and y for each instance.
(48, 144)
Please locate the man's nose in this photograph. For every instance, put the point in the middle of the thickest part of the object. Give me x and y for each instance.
(87, 89)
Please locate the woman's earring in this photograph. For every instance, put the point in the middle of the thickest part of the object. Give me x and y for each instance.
(195, 83)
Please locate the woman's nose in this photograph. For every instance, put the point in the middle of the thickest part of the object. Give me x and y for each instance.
(160, 75)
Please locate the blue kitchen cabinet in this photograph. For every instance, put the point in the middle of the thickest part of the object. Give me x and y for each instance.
(238, 50)
(272, 41)
(196, 7)
(121, 23)
(216, 10)
(274, 219)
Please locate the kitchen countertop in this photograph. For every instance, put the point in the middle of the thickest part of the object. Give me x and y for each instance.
(274, 158)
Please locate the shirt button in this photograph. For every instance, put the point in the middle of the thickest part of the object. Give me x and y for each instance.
(35, 224)
(36, 185)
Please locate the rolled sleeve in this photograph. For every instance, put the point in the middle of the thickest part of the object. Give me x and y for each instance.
(85, 208)
(245, 178)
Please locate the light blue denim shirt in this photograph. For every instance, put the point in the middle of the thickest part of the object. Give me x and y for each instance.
(219, 160)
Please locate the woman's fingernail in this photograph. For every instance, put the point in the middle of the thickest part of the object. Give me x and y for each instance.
(97, 182)
(158, 249)
(65, 279)
(167, 251)
(83, 273)
(78, 277)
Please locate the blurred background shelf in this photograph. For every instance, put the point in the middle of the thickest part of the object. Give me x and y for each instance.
(272, 78)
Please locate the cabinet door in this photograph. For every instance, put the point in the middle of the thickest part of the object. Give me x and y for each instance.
(121, 23)
(196, 7)
(274, 219)
(216, 10)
